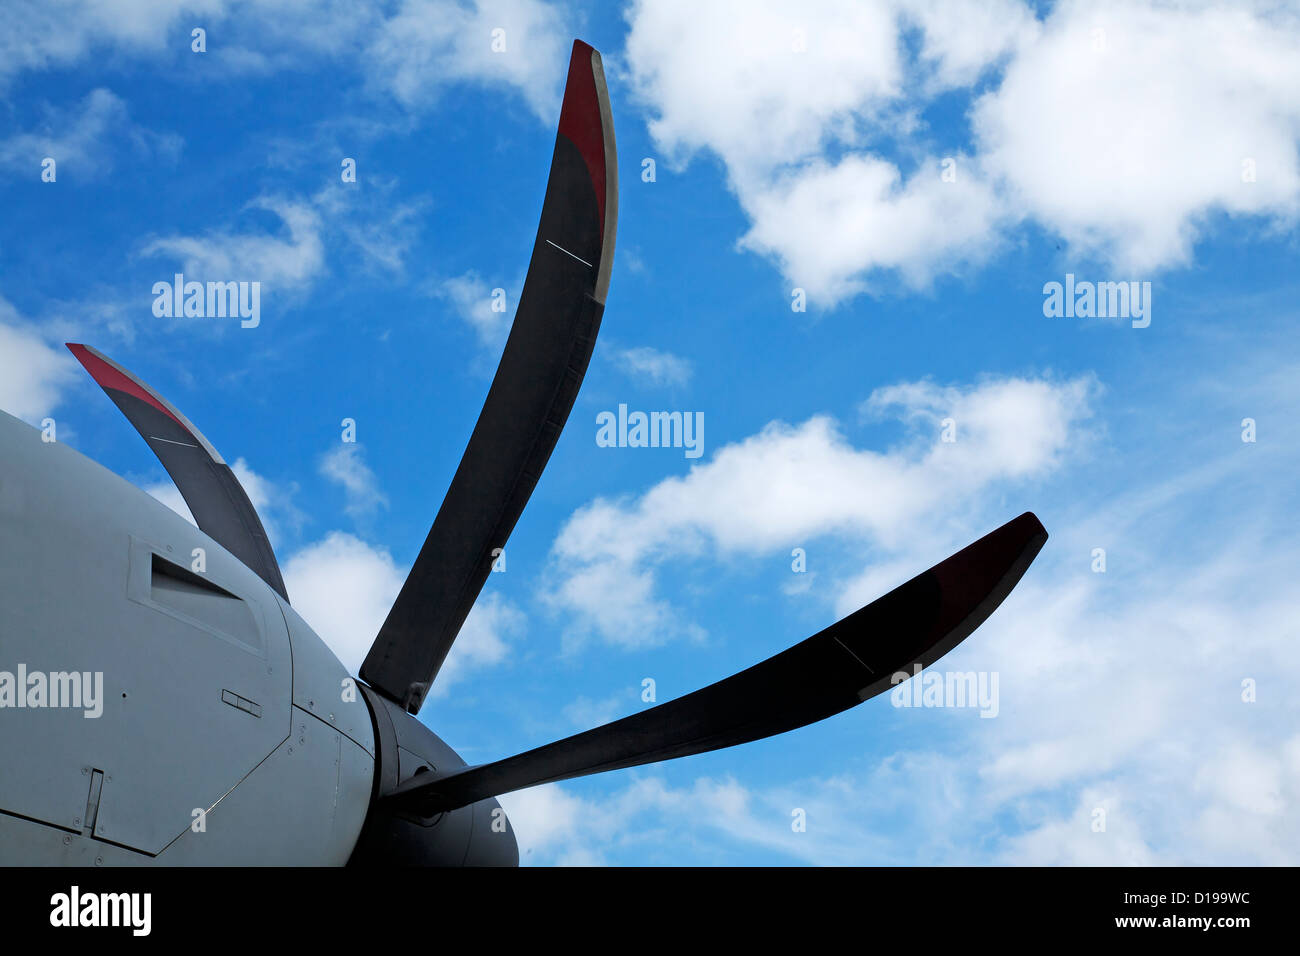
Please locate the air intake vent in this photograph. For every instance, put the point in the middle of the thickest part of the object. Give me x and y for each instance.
(173, 577)
(193, 596)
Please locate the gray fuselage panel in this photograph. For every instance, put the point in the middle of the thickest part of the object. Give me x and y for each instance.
(186, 661)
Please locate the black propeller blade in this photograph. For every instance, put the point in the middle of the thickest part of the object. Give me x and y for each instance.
(529, 401)
(838, 668)
(214, 495)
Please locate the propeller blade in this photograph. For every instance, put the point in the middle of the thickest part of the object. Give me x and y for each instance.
(838, 668)
(214, 495)
(529, 401)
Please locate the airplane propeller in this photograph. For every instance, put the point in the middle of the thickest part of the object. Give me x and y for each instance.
(527, 405)
(541, 369)
(851, 661)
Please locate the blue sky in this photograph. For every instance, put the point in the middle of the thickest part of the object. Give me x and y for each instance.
(794, 147)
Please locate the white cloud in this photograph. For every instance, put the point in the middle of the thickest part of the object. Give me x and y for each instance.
(366, 218)
(1121, 705)
(288, 261)
(789, 484)
(473, 298)
(960, 41)
(544, 816)
(822, 222)
(554, 825)
(82, 139)
(1127, 733)
(431, 44)
(43, 34)
(345, 466)
(1122, 127)
(33, 372)
(412, 51)
(653, 366)
(373, 220)
(771, 89)
(585, 713)
(1014, 427)
(1123, 141)
(727, 76)
(1073, 841)
(265, 36)
(614, 599)
(1127, 694)
(485, 639)
(242, 34)
(344, 588)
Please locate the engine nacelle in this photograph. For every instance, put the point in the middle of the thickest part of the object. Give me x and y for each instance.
(476, 835)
